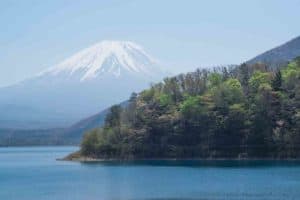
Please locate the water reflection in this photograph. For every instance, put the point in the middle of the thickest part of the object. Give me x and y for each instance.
(200, 163)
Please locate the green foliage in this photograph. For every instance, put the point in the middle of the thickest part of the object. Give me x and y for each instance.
(165, 100)
(297, 61)
(233, 84)
(215, 79)
(191, 106)
(147, 95)
(113, 118)
(247, 111)
(277, 81)
(238, 108)
(257, 79)
(235, 92)
(90, 142)
(228, 93)
(291, 74)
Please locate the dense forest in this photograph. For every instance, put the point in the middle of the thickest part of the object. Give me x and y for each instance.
(246, 111)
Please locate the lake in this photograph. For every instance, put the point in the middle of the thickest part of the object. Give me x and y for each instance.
(32, 173)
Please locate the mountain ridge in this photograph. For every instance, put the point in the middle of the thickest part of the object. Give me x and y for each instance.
(279, 55)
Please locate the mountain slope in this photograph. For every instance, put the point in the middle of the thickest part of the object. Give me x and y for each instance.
(65, 136)
(107, 57)
(93, 79)
(43, 137)
(279, 55)
(74, 133)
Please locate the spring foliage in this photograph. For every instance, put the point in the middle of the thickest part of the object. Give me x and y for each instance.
(243, 111)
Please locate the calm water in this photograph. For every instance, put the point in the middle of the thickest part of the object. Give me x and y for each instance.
(34, 174)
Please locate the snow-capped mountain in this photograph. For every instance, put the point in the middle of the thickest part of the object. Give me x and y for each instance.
(87, 82)
(107, 57)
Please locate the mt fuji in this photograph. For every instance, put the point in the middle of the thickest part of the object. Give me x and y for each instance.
(107, 57)
(87, 82)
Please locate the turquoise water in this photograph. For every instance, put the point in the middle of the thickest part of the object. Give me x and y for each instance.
(34, 174)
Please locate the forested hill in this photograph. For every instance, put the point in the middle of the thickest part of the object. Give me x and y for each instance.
(244, 112)
(279, 55)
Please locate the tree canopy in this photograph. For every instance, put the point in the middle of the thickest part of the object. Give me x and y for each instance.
(246, 111)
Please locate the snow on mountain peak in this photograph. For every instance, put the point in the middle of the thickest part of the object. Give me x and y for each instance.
(112, 57)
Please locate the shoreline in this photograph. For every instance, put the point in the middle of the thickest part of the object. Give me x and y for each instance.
(73, 158)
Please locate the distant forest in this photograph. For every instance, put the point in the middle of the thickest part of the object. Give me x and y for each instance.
(247, 111)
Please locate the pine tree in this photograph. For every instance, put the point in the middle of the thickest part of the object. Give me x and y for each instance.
(244, 76)
(277, 81)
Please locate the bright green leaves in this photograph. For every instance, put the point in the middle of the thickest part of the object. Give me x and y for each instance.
(215, 79)
(191, 106)
(291, 74)
(259, 78)
(228, 93)
(165, 100)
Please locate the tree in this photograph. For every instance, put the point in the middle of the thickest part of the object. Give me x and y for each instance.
(130, 112)
(191, 107)
(244, 76)
(225, 74)
(226, 94)
(172, 89)
(215, 79)
(277, 81)
(258, 78)
(291, 75)
(89, 143)
(113, 118)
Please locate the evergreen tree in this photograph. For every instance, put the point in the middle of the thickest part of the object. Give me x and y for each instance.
(277, 81)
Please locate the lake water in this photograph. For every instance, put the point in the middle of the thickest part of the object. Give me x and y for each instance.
(32, 173)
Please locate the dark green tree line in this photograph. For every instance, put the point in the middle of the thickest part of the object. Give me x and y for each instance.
(242, 111)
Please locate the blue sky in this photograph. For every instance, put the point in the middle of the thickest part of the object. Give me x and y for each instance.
(184, 35)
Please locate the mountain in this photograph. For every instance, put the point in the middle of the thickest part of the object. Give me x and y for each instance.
(43, 137)
(279, 55)
(92, 79)
(112, 58)
(74, 133)
(71, 135)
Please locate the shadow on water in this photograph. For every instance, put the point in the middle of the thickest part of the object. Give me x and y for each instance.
(200, 163)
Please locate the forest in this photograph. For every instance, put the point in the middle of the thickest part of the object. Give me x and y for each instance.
(245, 111)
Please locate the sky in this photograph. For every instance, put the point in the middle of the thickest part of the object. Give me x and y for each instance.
(183, 35)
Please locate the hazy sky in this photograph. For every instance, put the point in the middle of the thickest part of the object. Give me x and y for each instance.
(35, 34)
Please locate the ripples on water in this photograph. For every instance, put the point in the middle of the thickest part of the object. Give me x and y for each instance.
(33, 173)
